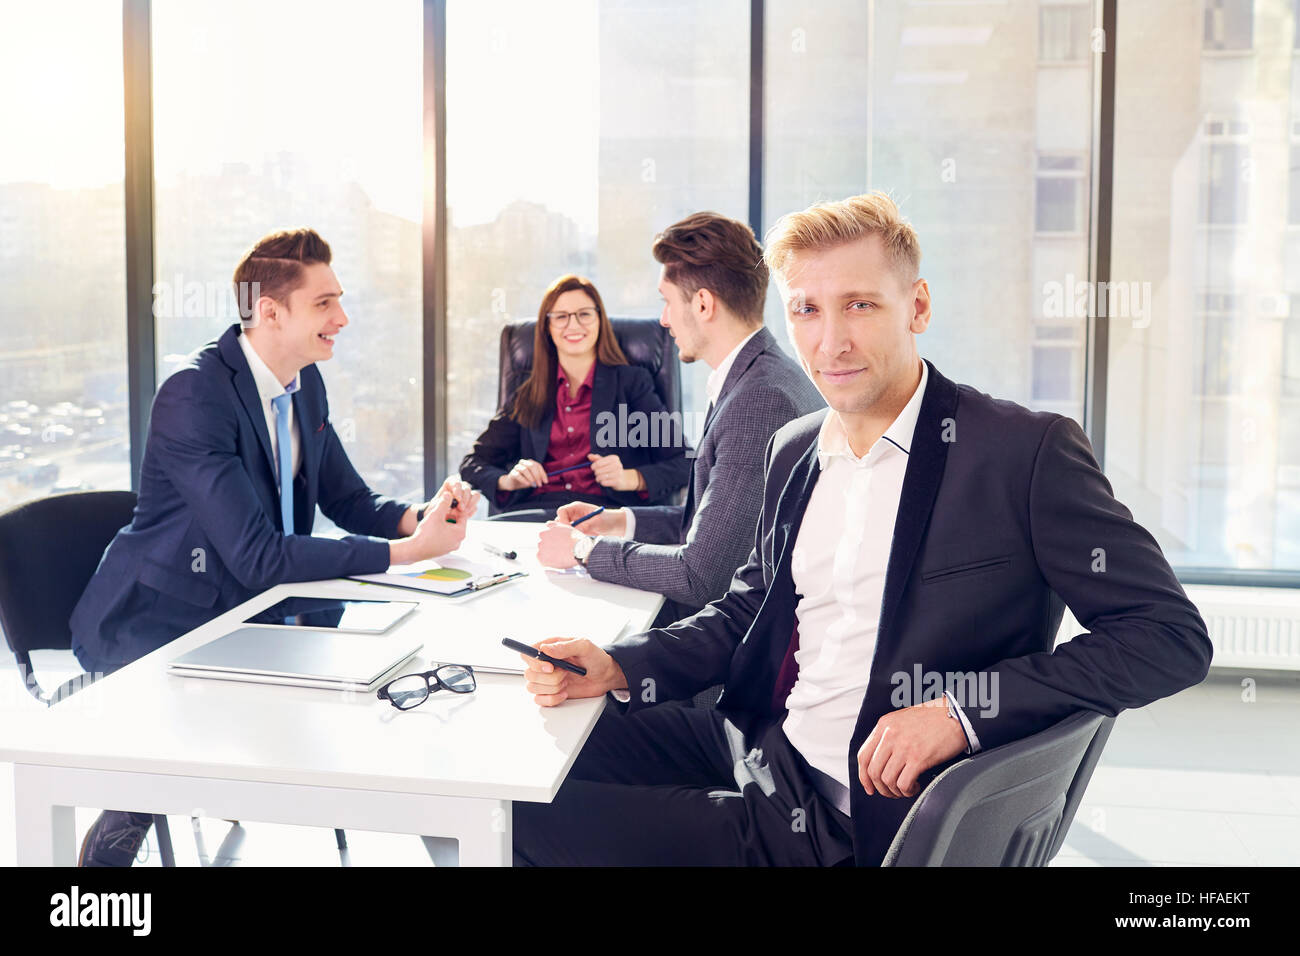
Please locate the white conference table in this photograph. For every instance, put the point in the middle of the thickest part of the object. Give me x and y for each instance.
(144, 740)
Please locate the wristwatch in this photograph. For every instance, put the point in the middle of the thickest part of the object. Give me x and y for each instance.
(582, 547)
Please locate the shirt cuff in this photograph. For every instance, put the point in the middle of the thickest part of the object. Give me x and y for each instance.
(972, 741)
(622, 696)
(630, 531)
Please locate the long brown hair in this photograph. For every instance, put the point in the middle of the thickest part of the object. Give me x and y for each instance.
(538, 390)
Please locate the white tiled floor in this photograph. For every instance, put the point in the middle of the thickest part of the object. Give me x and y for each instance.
(1203, 778)
(1208, 777)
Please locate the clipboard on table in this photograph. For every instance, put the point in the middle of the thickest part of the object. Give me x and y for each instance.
(449, 577)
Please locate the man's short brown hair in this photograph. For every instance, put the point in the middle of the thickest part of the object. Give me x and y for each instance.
(274, 266)
(709, 251)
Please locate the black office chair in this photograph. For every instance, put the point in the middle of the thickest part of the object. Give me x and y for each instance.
(1009, 806)
(645, 342)
(49, 548)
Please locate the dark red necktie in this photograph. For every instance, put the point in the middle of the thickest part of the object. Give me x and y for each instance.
(788, 673)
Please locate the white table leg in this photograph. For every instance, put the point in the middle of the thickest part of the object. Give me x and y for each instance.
(443, 851)
(46, 833)
(485, 835)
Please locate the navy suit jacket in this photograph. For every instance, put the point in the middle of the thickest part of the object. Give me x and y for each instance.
(1004, 518)
(207, 534)
(613, 388)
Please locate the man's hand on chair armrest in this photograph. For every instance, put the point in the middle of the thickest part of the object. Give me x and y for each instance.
(906, 743)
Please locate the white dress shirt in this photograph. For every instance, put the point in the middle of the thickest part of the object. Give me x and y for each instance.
(838, 565)
(268, 387)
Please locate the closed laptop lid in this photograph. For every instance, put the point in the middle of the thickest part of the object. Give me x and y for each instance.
(316, 655)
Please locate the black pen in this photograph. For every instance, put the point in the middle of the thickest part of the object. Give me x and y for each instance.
(454, 505)
(534, 652)
(581, 464)
(492, 549)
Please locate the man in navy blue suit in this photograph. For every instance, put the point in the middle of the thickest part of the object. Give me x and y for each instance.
(240, 453)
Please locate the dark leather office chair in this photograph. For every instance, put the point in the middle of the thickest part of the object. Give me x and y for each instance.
(645, 342)
(1009, 806)
(49, 548)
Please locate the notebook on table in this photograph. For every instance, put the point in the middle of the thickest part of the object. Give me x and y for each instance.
(300, 658)
(448, 576)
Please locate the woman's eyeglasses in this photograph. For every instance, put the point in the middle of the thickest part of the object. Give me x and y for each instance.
(412, 690)
(560, 320)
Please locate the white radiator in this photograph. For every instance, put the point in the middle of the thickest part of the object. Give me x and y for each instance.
(1251, 627)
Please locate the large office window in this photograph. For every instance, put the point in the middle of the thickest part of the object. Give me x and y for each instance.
(293, 114)
(1064, 32)
(578, 130)
(1203, 437)
(1229, 24)
(575, 133)
(976, 118)
(63, 377)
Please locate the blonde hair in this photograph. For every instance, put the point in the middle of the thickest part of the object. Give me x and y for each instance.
(824, 225)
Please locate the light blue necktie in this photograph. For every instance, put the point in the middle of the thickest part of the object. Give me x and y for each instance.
(284, 451)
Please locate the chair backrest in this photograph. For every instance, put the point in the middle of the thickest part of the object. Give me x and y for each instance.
(645, 342)
(49, 548)
(1080, 783)
(1005, 806)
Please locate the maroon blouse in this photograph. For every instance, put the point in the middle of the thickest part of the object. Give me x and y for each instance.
(570, 442)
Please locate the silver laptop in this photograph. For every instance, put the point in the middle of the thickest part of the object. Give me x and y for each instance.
(298, 657)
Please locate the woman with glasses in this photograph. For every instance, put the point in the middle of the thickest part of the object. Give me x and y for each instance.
(569, 432)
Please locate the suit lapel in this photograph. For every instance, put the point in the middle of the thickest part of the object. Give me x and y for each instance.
(311, 423)
(752, 350)
(603, 386)
(537, 440)
(755, 347)
(246, 389)
(777, 610)
(935, 431)
(790, 510)
(708, 418)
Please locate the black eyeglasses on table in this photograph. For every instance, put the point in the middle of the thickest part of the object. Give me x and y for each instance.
(412, 690)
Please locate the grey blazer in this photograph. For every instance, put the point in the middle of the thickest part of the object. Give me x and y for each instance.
(688, 553)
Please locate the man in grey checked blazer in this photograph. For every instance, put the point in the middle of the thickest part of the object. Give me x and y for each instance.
(713, 283)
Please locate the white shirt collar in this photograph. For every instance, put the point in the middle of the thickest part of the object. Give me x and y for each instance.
(718, 377)
(268, 386)
(832, 442)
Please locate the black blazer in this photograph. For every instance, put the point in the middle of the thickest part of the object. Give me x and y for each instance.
(614, 387)
(1002, 513)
